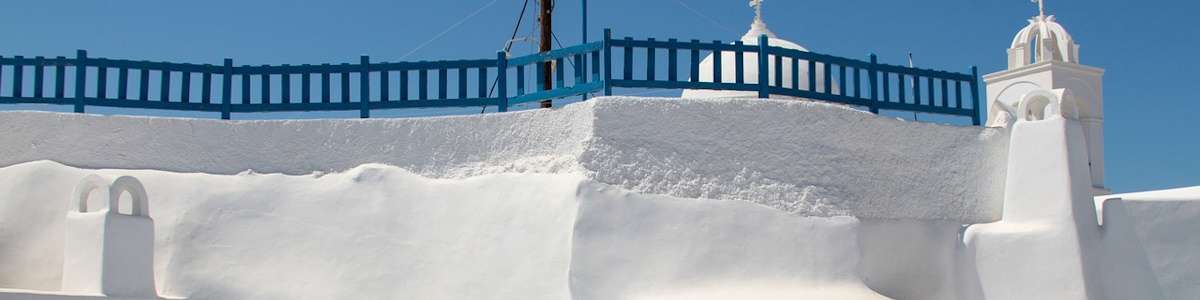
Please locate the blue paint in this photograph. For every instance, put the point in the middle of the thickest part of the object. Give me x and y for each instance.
(570, 60)
(80, 77)
(501, 82)
(764, 51)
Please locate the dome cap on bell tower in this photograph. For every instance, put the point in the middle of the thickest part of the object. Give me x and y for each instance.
(1044, 39)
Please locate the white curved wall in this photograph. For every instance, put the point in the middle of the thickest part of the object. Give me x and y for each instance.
(371, 232)
(382, 232)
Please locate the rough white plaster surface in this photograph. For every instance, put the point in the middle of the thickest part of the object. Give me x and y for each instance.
(800, 157)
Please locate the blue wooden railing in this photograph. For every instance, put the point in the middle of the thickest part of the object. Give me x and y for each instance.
(502, 81)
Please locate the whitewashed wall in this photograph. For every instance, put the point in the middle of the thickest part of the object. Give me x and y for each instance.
(799, 157)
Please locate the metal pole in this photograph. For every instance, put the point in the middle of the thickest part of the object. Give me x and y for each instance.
(585, 27)
(607, 48)
(544, 46)
(585, 40)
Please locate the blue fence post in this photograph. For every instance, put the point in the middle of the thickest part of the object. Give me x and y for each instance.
(608, 62)
(39, 77)
(364, 88)
(874, 106)
(976, 118)
(57, 88)
(501, 81)
(17, 77)
(227, 89)
(80, 79)
(764, 70)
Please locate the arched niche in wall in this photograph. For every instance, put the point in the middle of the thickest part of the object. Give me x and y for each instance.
(1043, 104)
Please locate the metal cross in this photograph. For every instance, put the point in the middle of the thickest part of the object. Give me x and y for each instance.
(757, 4)
(1041, 7)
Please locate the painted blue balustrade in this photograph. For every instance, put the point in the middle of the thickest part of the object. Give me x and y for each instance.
(502, 81)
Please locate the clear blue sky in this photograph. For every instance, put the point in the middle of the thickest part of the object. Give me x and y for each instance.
(1147, 47)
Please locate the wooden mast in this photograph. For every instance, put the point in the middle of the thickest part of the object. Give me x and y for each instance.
(545, 15)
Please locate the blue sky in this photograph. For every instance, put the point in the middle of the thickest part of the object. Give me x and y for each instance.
(1147, 47)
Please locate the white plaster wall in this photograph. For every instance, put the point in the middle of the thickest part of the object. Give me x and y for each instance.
(1083, 83)
(1037, 249)
(782, 165)
(1005, 89)
(18, 294)
(1126, 271)
(630, 246)
(800, 157)
(1087, 87)
(382, 232)
(911, 259)
(371, 232)
(1167, 223)
(1050, 243)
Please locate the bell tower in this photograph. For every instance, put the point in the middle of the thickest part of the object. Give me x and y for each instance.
(1043, 56)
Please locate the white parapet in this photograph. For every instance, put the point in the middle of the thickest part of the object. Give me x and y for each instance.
(807, 158)
(1166, 222)
(1049, 243)
(107, 252)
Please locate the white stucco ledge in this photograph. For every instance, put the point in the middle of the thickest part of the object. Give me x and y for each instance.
(18, 294)
(805, 158)
(1166, 222)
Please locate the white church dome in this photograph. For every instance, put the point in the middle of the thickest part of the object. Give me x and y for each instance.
(1044, 39)
(750, 65)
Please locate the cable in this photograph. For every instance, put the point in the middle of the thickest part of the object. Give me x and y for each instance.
(507, 47)
(520, 18)
(448, 29)
(560, 46)
(569, 59)
(705, 17)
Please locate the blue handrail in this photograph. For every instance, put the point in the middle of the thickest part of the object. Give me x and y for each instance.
(578, 70)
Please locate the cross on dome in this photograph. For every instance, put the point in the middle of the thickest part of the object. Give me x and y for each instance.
(1041, 7)
(729, 63)
(758, 27)
(757, 5)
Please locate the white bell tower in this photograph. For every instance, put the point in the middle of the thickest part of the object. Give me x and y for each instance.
(1043, 56)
